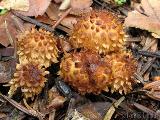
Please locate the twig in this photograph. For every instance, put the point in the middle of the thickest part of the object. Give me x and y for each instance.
(52, 115)
(139, 77)
(112, 109)
(146, 66)
(23, 109)
(61, 18)
(70, 109)
(149, 45)
(33, 21)
(149, 54)
(105, 5)
(8, 33)
(133, 40)
(18, 24)
(157, 16)
(152, 113)
(65, 29)
(12, 42)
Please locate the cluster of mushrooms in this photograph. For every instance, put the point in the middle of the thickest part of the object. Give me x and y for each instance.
(98, 61)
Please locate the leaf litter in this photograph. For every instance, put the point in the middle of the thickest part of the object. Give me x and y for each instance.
(145, 16)
(59, 101)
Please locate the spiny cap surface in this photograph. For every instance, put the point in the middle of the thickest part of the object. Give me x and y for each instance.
(30, 78)
(99, 31)
(85, 72)
(123, 67)
(37, 45)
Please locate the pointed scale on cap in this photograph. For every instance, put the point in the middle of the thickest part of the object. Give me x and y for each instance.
(30, 78)
(99, 31)
(123, 68)
(85, 72)
(37, 45)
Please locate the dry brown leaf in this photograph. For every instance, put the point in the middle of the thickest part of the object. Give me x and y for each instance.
(9, 51)
(69, 21)
(65, 4)
(80, 6)
(153, 85)
(4, 38)
(44, 19)
(147, 16)
(36, 7)
(154, 95)
(53, 11)
(7, 70)
(55, 100)
(57, 1)
(15, 4)
(54, 14)
(154, 89)
(112, 109)
(3, 116)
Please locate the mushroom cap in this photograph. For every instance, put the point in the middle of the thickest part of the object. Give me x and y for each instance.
(99, 31)
(85, 72)
(30, 78)
(37, 45)
(123, 68)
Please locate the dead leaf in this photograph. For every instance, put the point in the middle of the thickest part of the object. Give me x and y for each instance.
(80, 6)
(146, 17)
(108, 1)
(3, 116)
(22, 108)
(90, 112)
(69, 22)
(112, 109)
(63, 45)
(57, 1)
(153, 88)
(28, 26)
(65, 4)
(56, 103)
(44, 19)
(147, 110)
(22, 5)
(77, 116)
(154, 95)
(4, 38)
(36, 7)
(9, 51)
(53, 11)
(54, 14)
(7, 70)
(55, 100)
(156, 78)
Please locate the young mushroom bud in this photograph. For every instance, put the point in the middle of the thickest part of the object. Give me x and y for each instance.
(85, 72)
(37, 45)
(123, 69)
(30, 78)
(100, 31)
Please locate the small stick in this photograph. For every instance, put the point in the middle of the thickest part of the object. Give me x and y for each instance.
(18, 24)
(8, 33)
(146, 66)
(139, 77)
(61, 18)
(33, 21)
(149, 54)
(22, 108)
(149, 45)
